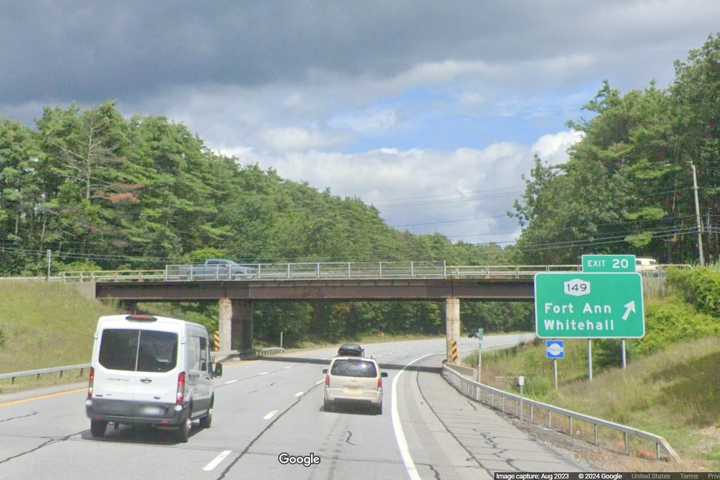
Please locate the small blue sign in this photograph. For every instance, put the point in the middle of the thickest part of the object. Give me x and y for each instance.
(555, 349)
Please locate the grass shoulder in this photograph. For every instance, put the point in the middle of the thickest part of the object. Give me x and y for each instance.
(673, 392)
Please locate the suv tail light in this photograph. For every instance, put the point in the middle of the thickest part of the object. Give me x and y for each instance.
(180, 397)
(379, 383)
(91, 381)
(327, 379)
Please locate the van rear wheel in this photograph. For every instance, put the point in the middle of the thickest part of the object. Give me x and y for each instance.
(183, 432)
(206, 421)
(98, 427)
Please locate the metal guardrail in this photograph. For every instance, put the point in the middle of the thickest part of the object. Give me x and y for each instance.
(266, 352)
(44, 371)
(317, 271)
(263, 352)
(320, 271)
(539, 413)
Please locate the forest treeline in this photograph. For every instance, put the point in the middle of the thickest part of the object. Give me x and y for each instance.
(628, 186)
(104, 191)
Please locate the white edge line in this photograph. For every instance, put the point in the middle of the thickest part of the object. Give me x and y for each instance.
(397, 426)
(270, 415)
(298, 394)
(319, 382)
(231, 381)
(216, 461)
(263, 373)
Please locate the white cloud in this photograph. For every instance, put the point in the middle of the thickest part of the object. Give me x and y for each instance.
(291, 139)
(553, 148)
(367, 122)
(463, 193)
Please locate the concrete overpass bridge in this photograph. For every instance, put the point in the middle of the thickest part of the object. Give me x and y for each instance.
(236, 290)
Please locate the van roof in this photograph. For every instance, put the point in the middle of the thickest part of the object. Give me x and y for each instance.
(159, 320)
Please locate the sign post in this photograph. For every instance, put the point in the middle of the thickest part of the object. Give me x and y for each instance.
(555, 350)
(480, 333)
(610, 264)
(590, 360)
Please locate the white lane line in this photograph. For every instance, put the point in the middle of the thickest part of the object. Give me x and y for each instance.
(230, 381)
(270, 415)
(263, 373)
(289, 366)
(298, 394)
(397, 425)
(216, 461)
(319, 381)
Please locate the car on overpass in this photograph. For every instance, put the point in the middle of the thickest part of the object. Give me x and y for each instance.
(150, 370)
(214, 269)
(353, 380)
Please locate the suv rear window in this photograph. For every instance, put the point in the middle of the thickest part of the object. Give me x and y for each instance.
(119, 350)
(354, 368)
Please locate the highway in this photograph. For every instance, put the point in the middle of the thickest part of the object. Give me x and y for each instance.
(267, 407)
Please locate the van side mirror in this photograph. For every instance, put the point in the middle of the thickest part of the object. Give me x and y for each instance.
(324, 370)
(383, 374)
(218, 370)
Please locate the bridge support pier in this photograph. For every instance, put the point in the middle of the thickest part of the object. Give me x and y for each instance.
(235, 325)
(452, 329)
(242, 325)
(225, 323)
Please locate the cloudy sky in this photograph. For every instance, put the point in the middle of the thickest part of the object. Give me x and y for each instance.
(430, 110)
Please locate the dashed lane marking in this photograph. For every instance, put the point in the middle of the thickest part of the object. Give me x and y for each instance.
(270, 415)
(216, 461)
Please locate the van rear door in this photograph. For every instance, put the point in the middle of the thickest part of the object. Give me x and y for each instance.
(157, 360)
(137, 364)
(115, 376)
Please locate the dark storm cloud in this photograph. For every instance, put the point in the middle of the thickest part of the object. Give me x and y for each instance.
(87, 51)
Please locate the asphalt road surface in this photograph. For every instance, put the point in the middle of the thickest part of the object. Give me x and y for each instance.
(266, 407)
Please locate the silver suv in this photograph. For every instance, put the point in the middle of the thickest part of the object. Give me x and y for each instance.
(353, 380)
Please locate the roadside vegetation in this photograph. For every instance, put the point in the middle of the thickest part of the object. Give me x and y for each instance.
(103, 191)
(671, 384)
(45, 325)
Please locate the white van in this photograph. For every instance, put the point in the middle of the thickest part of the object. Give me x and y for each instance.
(150, 370)
(646, 264)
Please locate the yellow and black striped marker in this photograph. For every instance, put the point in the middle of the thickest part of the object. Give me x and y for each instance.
(216, 341)
(454, 354)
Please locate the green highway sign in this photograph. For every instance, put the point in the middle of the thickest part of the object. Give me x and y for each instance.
(608, 263)
(589, 305)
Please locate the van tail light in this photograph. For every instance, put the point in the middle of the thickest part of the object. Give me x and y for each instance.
(91, 382)
(327, 379)
(379, 383)
(180, 397)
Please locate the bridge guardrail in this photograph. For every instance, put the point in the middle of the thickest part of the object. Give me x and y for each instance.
(44, 371)
(538, 413)
(319, 271)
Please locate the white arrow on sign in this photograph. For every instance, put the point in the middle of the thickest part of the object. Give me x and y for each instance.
(629, 308)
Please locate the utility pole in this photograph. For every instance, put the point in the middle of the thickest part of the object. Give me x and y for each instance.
(697, 216)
